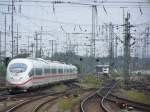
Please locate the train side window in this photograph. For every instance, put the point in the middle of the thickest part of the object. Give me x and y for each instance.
(50, 71)
(46, 70)
(71, 70)
(31, 73)
(74, 70)
(65, 71)
(38, 71)
(68, 70)
(53, 70)
(60, 70)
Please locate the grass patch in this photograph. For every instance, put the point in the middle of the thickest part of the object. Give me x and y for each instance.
(65, 104)
(60, 87)
(120, 84)
(138, 96)
(91, 80)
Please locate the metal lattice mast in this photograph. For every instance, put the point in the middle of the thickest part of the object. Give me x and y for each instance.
(36, 44)
(0, 47)
(127, 38)
(12, 27)
(94, 27)
(111, 47)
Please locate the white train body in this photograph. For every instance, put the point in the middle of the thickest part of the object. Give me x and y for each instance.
(27, 73)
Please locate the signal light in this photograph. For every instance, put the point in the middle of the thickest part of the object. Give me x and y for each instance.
(81, 59)
(6, 61)
(97, 60)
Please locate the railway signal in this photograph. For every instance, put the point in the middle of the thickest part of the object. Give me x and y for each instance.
(6, 61)
(81, 59)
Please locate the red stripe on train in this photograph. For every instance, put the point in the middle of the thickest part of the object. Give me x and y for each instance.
(40, 77)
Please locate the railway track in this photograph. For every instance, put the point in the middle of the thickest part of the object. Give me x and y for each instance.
(35, 102)
(4, 95)
(51, 100)
(31, 101)
(126, 102)
(104, 92)
(7, 95)
(104, 95)
(129, 103)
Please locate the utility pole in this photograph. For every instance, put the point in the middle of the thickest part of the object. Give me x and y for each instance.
(56, 47)
(52, 44)
(36, 45)
(17, 40)
(32, 46)
(127, 38)
(12, 27)
(145, 47)
(146, 41)
(28, 45)
(5, 35)
(68, 41)
(0, 47)
(111, 48)
(148, 33)
(41, 42)
(116, 45)
(87, 51)
(94, 27)
(5, 21)
(123, 15)
(123, 20)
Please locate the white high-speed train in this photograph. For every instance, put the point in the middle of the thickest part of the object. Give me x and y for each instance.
(25, 73)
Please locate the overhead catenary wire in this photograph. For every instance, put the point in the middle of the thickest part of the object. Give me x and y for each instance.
(66, 23)
(99, 3)
(61, 1)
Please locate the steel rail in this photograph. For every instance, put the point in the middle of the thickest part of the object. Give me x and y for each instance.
(132, 103)
(108, 87)
(44, 103)
(104, 98)
(85, 100)
(17, 106)
(30, 100)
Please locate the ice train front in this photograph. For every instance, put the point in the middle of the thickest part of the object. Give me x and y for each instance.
(17, 74)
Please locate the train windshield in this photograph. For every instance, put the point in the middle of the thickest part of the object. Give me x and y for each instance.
(18, 67)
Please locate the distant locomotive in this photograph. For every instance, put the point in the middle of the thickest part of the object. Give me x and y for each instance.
(102, 69)
(24, 73)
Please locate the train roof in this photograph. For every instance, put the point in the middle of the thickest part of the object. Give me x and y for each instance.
(54, 63)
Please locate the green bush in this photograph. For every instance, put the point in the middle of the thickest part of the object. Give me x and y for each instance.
(2, 70)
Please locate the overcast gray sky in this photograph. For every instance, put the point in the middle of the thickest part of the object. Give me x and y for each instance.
(60, 19)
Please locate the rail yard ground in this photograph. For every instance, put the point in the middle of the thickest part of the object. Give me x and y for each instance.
(70, 101)
(63, 102)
